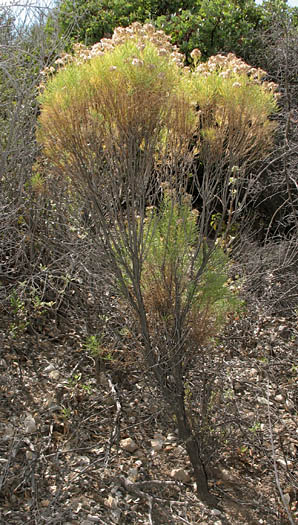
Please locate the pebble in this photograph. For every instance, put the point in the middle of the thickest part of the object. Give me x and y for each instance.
(157, 444)
(287, 498)
(54, 374)
(94, 519)
(290, 405)
(128, 444)
(171, 438)
(3, 363)
(49, 368)
(263, 401)
(180, 475)
(133, 474)
(216, 512)
(279, 398)
(30, 425)
(281, 462)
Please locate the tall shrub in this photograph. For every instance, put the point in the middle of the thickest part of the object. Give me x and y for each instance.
(123, 122)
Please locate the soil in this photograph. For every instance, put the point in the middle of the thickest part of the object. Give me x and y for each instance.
(62, 425)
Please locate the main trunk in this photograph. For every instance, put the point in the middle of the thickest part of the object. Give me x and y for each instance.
(193, 449)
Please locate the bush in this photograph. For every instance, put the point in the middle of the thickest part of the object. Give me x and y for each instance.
(214, 26)
(37, 268)
(88, 22)
(122, 122)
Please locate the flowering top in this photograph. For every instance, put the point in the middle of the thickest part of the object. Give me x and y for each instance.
(142, 34)
(229, 65)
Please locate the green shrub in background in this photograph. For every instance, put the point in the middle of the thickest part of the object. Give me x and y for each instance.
(90, 21)
(213, 26)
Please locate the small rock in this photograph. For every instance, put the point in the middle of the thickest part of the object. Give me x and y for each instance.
(263, 401)
(132, 474)
(281, 462)
(9, 432)
(179, 451)
(3, 364)
(111, 502)
(29, 425)
(49, 368)
(171, 438)
(139, 454)
(94, 519)
(279, 398)
(216, 512)
(54, 374)
(290, 405)
(129, 445)
(29, 455)
(180, 475)
(84, 460)
(156, 444)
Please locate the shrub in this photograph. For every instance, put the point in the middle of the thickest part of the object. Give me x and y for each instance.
(211, 25)
(88, 22)
(122, 122)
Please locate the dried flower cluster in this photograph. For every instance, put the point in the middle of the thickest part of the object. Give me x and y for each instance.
(229, 65)
(226, 65)
(142, 34)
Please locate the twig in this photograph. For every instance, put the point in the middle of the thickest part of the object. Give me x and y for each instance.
(136, 488)
(115, 432)
(150, 509)
(277, 481)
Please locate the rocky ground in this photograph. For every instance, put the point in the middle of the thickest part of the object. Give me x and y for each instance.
(78, 447)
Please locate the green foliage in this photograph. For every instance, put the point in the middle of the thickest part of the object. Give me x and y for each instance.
(211, 25)
(93, 345)
(114, 87)
(175, 266)
(124, 97)
(278, 11)
(256, 427)
(27, 308)
(112, 113)
(90, 21)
